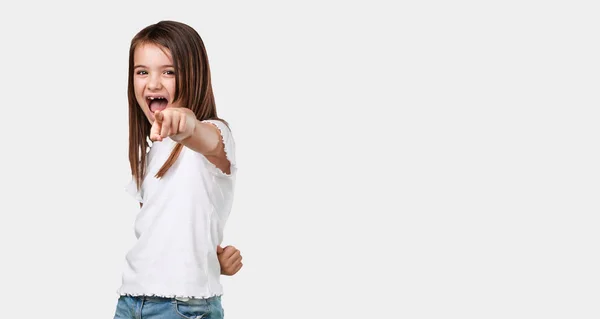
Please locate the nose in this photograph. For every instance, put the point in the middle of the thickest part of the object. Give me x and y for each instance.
(154, 82)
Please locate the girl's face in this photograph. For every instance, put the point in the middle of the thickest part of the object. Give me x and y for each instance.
(153, 78)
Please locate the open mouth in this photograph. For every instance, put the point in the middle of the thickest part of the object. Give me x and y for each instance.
(157, 103)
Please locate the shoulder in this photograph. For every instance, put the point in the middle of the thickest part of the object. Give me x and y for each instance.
(220, 124)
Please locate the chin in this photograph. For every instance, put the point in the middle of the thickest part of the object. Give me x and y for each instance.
(150, 117)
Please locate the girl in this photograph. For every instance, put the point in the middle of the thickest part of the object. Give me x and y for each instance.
(184, 182)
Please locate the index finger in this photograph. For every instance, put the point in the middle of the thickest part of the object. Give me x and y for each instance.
(158, 117)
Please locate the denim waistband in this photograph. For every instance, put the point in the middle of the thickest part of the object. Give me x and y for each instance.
(196, 301)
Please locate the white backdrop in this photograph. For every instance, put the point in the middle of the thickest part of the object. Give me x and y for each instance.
(421, 159)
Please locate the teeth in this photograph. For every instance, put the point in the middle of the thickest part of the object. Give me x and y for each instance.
(158, 98)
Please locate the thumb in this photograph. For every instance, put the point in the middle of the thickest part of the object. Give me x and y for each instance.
(219, 249)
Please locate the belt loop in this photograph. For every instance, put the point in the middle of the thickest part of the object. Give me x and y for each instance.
(139, 314)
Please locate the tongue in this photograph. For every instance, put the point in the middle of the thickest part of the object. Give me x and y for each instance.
(158, 105)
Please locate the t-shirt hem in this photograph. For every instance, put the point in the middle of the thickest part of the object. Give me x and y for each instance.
(170, 296)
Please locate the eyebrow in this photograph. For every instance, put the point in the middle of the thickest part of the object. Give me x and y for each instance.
(162, 66)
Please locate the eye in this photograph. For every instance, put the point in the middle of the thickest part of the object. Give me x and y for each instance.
(141, 72)
(170, 72)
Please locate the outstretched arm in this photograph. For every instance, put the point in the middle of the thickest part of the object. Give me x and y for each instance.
(181, 125)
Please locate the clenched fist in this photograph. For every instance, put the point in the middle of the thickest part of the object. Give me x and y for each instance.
(175, 122)
(230, 260)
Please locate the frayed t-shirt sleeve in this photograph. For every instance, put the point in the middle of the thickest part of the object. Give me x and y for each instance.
(228, 143)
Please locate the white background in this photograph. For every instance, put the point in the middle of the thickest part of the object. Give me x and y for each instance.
(417, 159)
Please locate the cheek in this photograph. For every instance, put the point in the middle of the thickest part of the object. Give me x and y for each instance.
(138, 86)
(170, 86)
(138, 89)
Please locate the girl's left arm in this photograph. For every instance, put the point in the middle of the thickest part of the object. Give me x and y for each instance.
(206, 139)
(181, 125)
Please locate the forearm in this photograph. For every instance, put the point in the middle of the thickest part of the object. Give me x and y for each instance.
(205, 139)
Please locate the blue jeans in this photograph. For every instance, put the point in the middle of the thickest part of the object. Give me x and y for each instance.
(142, 307)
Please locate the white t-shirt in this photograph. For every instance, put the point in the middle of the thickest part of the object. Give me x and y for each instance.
(180, 224)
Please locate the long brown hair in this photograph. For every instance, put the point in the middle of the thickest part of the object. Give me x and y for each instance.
(193, 87)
